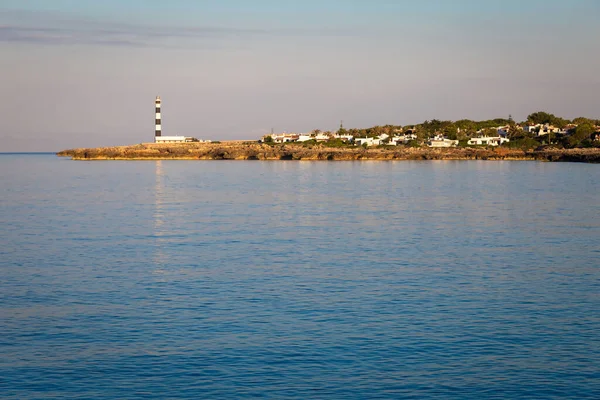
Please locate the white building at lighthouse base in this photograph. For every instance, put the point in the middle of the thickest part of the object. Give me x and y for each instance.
(173, 139)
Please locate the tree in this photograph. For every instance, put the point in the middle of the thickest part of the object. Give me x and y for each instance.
(421, 133)
(490, 132)
(464, 123)
(581, 133)
(450, 131)
(541, 117)
(582, 120)
(560, 123)
(373, 131)
(354, 132)
(268, 139)
(435, 125)
(501, 121)
(516, 132)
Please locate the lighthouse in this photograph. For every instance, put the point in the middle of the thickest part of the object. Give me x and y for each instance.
(157, 123)
(158, 136)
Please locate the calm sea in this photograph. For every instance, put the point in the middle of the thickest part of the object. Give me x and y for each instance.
(235, 279)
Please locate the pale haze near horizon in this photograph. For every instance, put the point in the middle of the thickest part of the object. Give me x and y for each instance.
(85, 73)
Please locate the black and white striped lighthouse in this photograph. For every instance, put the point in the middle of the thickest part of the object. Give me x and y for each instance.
(157, 123)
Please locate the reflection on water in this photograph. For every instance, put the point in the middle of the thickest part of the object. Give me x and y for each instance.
(159, 217)
(171, 279)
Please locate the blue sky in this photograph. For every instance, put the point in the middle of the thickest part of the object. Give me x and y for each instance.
(85, 73)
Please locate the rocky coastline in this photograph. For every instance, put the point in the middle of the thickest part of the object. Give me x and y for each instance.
(318, 152)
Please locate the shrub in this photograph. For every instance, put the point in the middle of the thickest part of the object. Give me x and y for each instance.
(523, 144)
(336, 143)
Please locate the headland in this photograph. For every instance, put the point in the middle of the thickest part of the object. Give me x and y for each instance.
(240, 150)
(543, 137)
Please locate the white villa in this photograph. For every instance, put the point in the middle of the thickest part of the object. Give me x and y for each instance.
(488, 141)
(440, 141)
(369, 141)
(541, 129)
(304, 137)
(395, 140)
(321, 137)
(284, 137)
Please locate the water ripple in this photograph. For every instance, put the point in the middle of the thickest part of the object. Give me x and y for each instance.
(298, 280)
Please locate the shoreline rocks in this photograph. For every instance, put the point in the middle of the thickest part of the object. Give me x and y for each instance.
(320, 152)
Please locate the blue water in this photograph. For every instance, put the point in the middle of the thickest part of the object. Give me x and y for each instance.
(219, 279)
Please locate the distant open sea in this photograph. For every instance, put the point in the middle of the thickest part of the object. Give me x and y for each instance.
(303, 280)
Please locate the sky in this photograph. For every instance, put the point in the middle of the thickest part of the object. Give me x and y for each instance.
(85, 73)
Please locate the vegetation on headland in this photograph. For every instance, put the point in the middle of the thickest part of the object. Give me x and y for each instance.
(540, 128)
(321, 151)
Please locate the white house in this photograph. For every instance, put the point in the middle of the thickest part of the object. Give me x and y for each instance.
(321, 137)
(173, 139)
(568, 128)
(345, 138)
(403, 138)
(284, 137)
(368, 141)
(488, 141)
(440, 141)
(531, 128)
(304, 137)
(547, 129)
(541, 129)
(361, 141)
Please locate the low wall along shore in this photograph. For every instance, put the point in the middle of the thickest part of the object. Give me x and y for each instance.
(258, 151)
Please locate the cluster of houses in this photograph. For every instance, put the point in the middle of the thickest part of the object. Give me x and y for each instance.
(546, 129)
(305, 137)
(441, 141)
(384, 138)
(498, 137)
